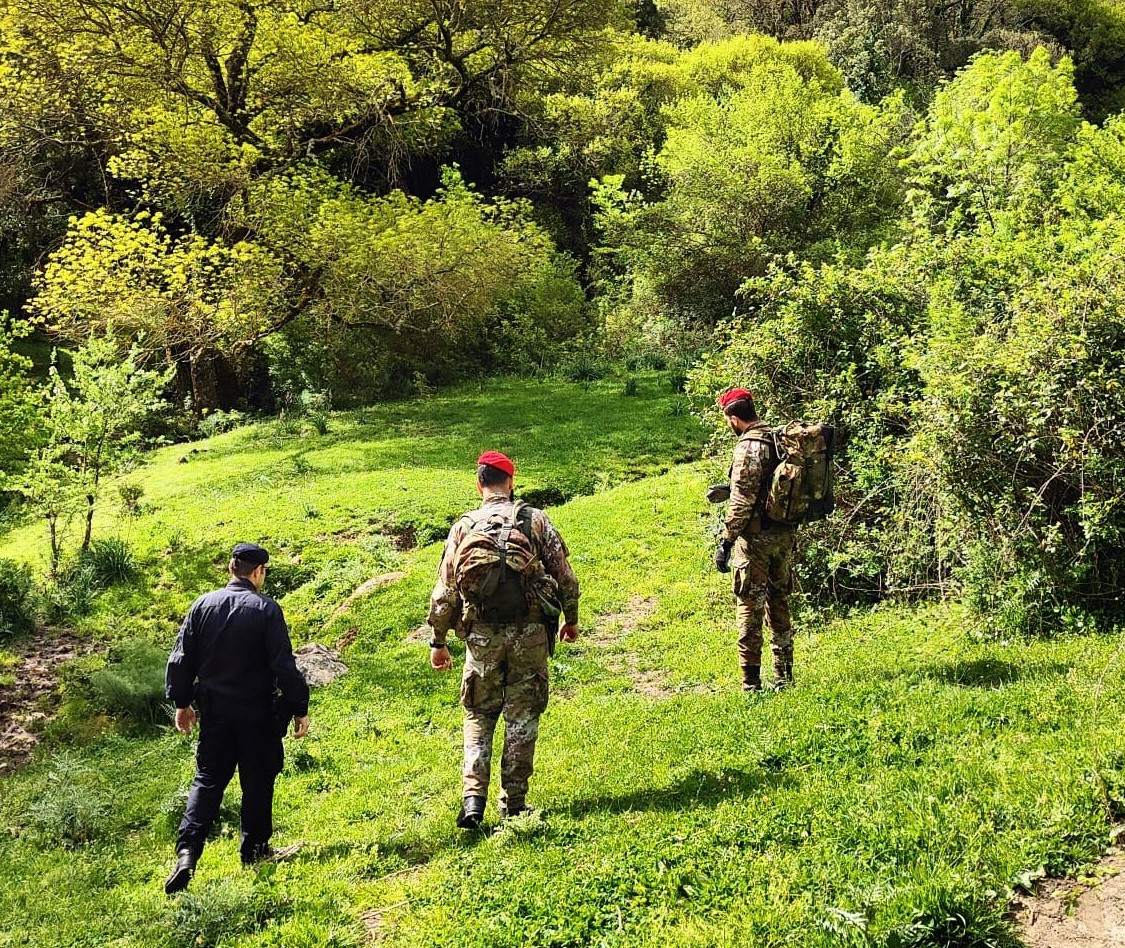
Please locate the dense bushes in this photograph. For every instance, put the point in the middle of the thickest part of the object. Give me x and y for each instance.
(974, 369)
(16, 598)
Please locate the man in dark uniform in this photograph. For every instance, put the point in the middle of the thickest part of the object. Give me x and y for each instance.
(232, 653)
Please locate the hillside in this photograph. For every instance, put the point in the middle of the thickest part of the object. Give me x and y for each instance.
(893, 798)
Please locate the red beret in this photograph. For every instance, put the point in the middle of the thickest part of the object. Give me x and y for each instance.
(735, 395)
(498, 460)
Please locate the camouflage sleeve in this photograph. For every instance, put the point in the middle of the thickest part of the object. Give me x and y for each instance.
(445, 603)
(745, 484)
(556, 561)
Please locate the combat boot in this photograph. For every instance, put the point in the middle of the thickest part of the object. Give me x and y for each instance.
(521, 809)
(181, 872)
(751, 677)
(783, 671)
(472, 813)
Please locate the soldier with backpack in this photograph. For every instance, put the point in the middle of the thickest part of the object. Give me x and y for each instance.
(504, 580)
(778, 479)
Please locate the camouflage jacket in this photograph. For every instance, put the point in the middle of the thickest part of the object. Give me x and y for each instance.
(752, 465)
(445, 603)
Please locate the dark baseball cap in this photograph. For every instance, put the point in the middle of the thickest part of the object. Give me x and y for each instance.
(250, 553)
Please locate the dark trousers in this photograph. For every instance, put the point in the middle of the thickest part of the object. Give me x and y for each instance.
(225, 743)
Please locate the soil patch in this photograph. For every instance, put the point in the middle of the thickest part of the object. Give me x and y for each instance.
(614, 626)
(1088, 912)
(27, 703)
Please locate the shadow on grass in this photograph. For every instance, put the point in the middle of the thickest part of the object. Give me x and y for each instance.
(990, 672)
(699, 788)
(410, 849)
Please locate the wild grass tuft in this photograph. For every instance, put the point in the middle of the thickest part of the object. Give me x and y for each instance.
(73, 809)
(132, 682)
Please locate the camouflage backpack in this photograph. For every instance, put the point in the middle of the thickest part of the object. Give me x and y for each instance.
(800, 488)
(494, 564)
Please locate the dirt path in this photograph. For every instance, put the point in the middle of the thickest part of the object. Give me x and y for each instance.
(1085, 913)
(28, 701)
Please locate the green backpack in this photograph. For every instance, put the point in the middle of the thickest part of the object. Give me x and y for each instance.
(800, 485)
(494, 565)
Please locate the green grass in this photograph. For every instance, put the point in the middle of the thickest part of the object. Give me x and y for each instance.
(387, 476)
(892, 798)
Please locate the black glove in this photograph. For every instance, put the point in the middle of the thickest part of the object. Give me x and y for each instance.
(718, 493)
(722, 556)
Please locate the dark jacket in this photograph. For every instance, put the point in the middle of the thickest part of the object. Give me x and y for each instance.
(233, 650)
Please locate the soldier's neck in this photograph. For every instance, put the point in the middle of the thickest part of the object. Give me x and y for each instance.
(491, 497)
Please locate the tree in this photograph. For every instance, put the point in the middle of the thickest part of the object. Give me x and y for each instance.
(420, 278)
(995, 143)
(93, 425)
(766, 155)
(190, 110)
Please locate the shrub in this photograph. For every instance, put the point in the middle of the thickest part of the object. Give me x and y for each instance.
(583, 367)
(218, 912)
(16, 599)
(130, 495)
(218, 422)
(73, 809)
(70, 595)
(1022, 417)
(132, 682)
(111, 562)
(630, 388)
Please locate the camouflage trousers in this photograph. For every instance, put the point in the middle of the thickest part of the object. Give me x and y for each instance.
(762, 570)
(505, 673)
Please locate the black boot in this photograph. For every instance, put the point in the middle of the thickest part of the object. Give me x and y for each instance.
(472, 813)
(181, 873)
(751, 677)
(783, 670)
(507, 810)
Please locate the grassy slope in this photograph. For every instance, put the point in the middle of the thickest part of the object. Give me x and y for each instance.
(910, 778)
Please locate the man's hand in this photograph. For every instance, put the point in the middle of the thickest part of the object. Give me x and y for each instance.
(718, 493)
(300, 726)
(722, 556)
(440, 659)
(569, 633)
(185, 720)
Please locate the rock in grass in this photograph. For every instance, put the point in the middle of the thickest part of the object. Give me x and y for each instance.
(319, 664)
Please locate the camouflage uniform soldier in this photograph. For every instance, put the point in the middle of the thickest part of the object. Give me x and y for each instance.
(763, 550)
(506, 662)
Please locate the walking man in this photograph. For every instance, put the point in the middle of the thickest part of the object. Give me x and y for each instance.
(759, 550)
(503, 581)
(233, 652)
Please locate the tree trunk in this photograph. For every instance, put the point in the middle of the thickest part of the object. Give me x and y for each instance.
(204, 384)
(89, 522)
(52, 526)
(214, 383)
